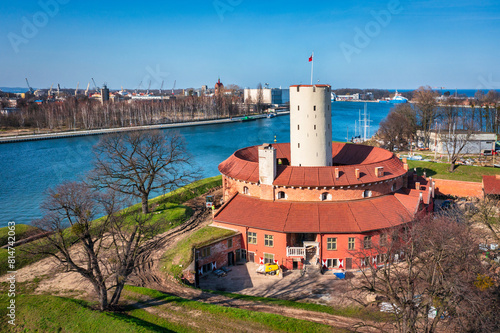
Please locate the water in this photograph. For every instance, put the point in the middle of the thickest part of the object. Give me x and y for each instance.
(27, 169)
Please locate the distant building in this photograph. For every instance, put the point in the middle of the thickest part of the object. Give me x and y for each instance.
(269, 95)
(477, 141)
(104, 94)
(219, 88)
(353, 97)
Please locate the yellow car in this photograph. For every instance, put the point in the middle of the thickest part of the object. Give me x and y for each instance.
(272, 269)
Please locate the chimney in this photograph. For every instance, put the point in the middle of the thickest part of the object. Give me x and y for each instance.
(405, 160)
(358, 175)
(379, 172)
(417, 186)
(267, 164)
(405, 166)
(337, 173)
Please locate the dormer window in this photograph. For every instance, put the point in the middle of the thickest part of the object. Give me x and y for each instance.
(245, 190)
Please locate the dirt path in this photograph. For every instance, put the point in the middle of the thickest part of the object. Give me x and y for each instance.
(148, 275)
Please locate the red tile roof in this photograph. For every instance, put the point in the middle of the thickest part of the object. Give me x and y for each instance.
(319, 217)
(243, 165)
(491, 185)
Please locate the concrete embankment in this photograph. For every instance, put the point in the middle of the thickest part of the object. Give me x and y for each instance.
(60, 135)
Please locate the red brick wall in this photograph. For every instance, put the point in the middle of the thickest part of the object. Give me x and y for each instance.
(280, 244)
(232, 187)
(458, 188)
(219, 251)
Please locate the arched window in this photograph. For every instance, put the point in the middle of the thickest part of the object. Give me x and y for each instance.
(393, 187)
(245, 190)
(281, 195)
(325, 196)
(367, 194)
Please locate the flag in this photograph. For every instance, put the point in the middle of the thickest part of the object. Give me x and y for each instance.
(311, 58)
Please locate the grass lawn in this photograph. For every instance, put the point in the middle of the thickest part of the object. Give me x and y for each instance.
(462, 172)
(226, 317)
(182, 254)
(22, 231)
(47, 313)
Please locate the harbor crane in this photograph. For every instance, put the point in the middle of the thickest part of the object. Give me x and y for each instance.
(31, 89)
(50, 90)
(149, 86)
(95, 86)
(87, 91)
(76, 90)
(162, 82)
(173, 89)
(138, 87)
(58, 89)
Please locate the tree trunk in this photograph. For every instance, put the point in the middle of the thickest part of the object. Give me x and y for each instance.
(452, 165)
(102, 293)
(116, 294)
(145, 208)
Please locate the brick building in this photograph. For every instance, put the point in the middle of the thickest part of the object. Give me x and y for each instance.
(312, 201)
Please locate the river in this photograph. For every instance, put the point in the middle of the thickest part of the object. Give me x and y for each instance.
(28, 169)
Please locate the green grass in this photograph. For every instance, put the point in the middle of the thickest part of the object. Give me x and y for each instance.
(44, 313)
(182, 253)
(268, 320)
(21, 231)
(462, 172)
(47, 313)
(168, 212)
(352, 312)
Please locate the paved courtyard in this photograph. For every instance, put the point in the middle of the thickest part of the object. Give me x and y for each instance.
(313, 286)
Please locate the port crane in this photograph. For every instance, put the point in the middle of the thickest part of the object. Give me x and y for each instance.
(31, 89)
(138, 87)
(76, 90)
(58, 89)
(162, 82)
(95, 85)
(87, 90)
(149, 86)
(173, 89)
(50, 90)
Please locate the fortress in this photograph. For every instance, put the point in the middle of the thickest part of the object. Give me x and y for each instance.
(312, 201)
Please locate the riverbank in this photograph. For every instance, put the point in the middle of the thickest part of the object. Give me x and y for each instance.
(66, 134)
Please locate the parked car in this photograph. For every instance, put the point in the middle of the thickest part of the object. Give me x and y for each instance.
(219, 273)
(268, 269)
(488, 152)
(447, 204)
(226, 269)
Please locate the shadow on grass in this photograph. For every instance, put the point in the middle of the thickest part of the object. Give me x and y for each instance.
(428, 172)
(122, 316)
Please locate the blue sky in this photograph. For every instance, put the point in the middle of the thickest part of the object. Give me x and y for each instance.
(363, 44)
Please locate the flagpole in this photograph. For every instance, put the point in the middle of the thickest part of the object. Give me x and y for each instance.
(312, 68)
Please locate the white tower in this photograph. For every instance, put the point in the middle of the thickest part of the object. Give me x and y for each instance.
(310, 125)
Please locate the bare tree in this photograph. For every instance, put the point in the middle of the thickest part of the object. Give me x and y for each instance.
(427, 110)
(428, 276)
(259, 100)
(137, 163)
(487, 214)
(399, 127)
(104, 251)
(455, 141)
